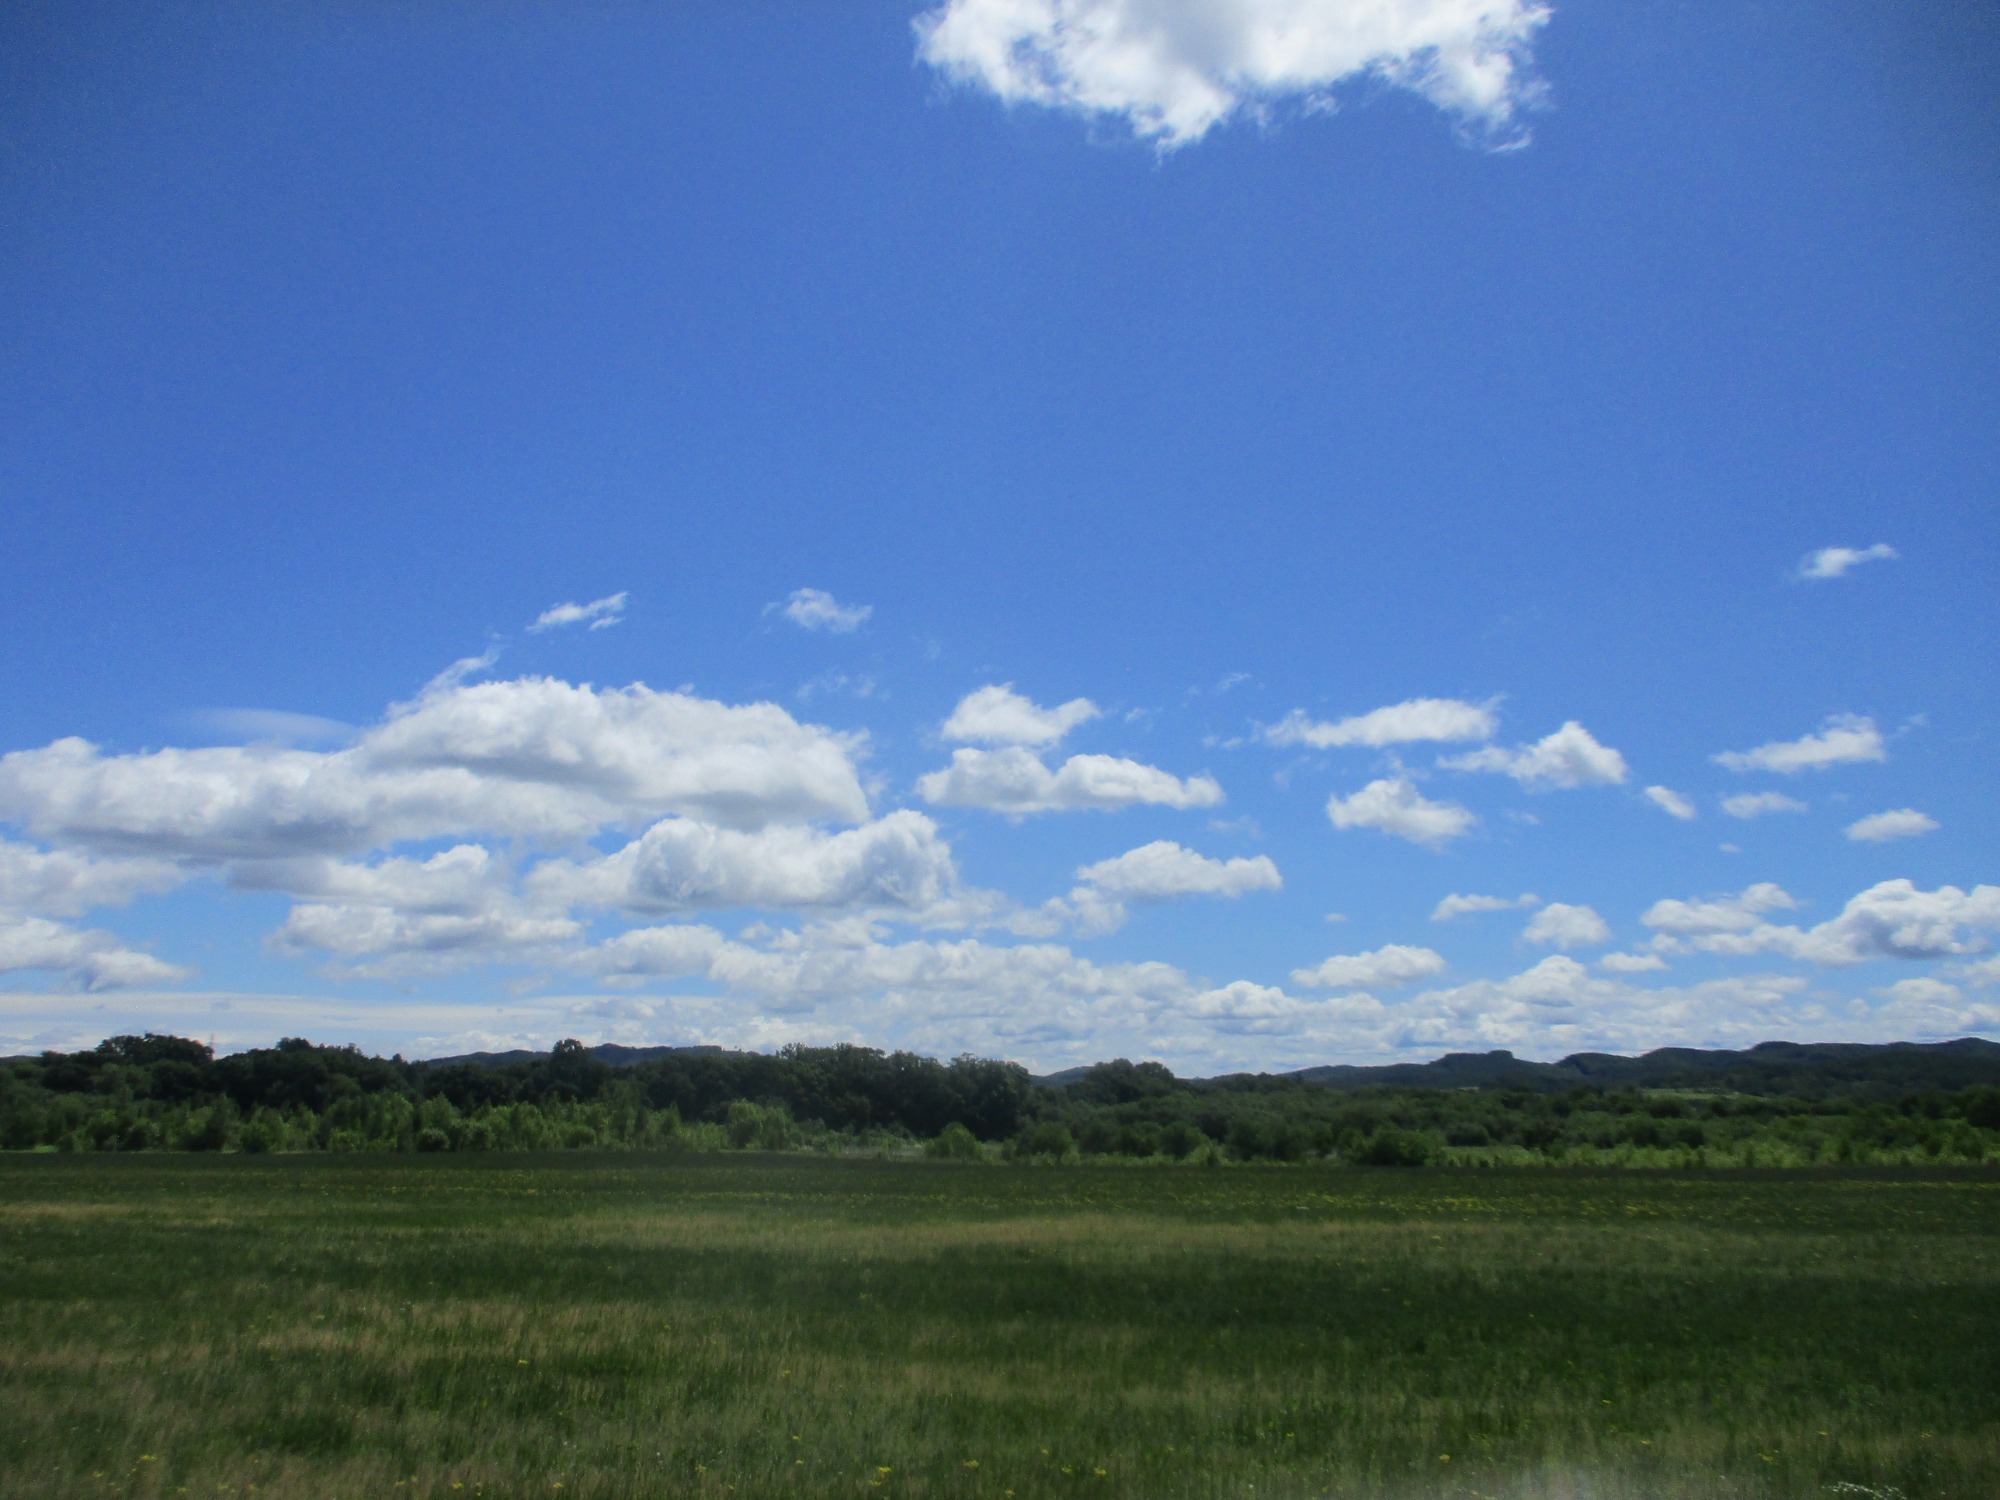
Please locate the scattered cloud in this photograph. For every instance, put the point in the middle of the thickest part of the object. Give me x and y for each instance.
(1172, 70)
(1001, 716)
(598, 614)
(1671, 803)
(1760, 804)
(1163, 871)
(1563, 927)
(1843, 740)
(1389, 967)
(1416, 719)
(1014, 780)
(1901, 823)
(1461, 906)
(1570, 757)
(1834, 562)
(816, 609)
(1395, 806)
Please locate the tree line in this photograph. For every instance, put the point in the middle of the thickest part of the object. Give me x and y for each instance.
(165, 1093)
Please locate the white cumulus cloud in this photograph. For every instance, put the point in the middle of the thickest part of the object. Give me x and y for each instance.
(64, 883)
(1562, 926)
(680, 864)
(534, 758)
(1395, 806)
(1833, 562)
(96, 959)
(1899, 823)
(1388, 967)
(1456, 905)
(1171, 70)
(1164, 870)
(816, 609)
(1014, 780)
(599, 613)
(1843, 740)
(1893, 919)
(1443, 719)
(1001, 716)
(1670, 802)
(1569, 757)
(1760, 804)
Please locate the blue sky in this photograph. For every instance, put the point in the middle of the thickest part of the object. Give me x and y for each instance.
(1015, 453)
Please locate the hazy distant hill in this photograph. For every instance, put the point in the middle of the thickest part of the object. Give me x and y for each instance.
(1768, 1068)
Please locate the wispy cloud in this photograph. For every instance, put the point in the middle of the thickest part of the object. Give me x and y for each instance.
(816, 609)
(598, 614)
(1415, 719)
(1902, 823)
(1456, 905)
(1843, 740)
(1834, 562)
(1671, 803)
(1761, 804)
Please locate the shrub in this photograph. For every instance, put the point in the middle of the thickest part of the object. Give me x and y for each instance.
(1396, 1148)
(953, 1143)
(1045, 1139)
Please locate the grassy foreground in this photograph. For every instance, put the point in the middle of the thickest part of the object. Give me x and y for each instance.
(633, 1326)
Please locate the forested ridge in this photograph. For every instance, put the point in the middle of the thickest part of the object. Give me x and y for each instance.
(1780, 1104)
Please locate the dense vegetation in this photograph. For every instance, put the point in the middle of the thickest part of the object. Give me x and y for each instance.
(597, 1326)
(1898, 1106)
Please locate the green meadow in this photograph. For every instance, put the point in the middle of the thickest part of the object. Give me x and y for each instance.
(736, 1324)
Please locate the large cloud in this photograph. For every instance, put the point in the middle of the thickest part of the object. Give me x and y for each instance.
(1569, 757)
(1890, 920)
(1013, 780)
(679, 864)
(1173, 69)
(1164, 870)
(1403, 723)
(1395, 806)
(1845, 739)
(533, 758)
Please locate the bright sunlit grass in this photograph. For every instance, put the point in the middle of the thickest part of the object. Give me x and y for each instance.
(760, 1326)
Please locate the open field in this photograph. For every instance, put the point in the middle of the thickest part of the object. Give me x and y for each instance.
(659, 1325)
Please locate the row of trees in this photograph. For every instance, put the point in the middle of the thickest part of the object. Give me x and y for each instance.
(153, 1093)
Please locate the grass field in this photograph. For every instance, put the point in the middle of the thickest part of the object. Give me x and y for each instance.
(627, 1326)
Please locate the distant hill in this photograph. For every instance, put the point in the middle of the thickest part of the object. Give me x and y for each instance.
(1768, 1068)
(1811, 1068)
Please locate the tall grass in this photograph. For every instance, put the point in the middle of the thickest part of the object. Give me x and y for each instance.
(637, 1326)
